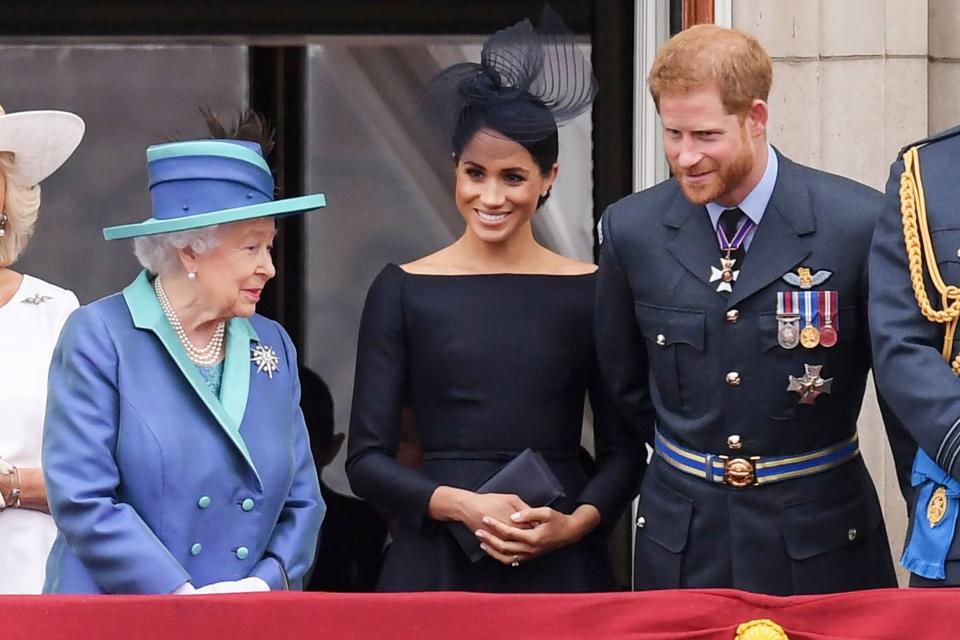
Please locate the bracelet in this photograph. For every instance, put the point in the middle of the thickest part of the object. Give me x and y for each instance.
(15, 493)
(5, 470)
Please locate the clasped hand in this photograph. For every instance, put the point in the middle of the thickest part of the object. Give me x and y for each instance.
(474, 508)
(508, 528)
(531, 532)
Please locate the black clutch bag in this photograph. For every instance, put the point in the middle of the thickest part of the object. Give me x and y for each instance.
(528, 476)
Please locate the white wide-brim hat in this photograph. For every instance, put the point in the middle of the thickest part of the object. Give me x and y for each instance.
(40, 141)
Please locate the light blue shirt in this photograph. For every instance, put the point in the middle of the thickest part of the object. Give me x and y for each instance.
(756, 201)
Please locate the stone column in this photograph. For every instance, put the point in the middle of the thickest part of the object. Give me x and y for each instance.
(944, 107)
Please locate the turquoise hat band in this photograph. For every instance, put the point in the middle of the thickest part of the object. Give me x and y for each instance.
(207, 148)
(276, 208)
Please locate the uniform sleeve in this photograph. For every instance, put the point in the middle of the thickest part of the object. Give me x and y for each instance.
(901, 442)
(378, 396)
(912, 376)
(621, 351)
(115, 545)
(621, 458)
(293, 543)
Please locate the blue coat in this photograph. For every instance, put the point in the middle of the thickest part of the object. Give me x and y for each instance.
(152, 479)
(912, 374)
(702, 367)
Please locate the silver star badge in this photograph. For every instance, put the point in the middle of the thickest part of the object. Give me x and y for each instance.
(725, 274)
(36, 299)
(265, 359)
(810, 385)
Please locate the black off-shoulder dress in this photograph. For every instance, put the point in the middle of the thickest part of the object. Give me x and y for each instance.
(490, 365)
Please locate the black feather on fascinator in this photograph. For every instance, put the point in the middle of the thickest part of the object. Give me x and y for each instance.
(529, 80)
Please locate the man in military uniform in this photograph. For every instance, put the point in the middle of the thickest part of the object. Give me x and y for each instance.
(732, 333)
(914, 307)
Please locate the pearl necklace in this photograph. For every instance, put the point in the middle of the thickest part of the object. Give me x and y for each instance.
(205, 357)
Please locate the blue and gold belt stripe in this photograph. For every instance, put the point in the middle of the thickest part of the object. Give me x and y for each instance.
(766, 469)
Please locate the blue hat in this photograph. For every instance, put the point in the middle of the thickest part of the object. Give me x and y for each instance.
(200, 183)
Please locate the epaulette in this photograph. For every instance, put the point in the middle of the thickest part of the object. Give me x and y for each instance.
(943, 135)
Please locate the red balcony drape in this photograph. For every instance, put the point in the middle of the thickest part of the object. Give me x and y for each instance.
(888, 614)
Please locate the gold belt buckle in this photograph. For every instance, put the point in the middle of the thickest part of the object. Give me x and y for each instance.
(739, 472)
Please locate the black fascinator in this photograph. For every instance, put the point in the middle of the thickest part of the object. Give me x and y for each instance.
(529, 80)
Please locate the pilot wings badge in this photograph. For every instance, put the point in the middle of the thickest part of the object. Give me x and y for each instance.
(36, 299)
(804, 279)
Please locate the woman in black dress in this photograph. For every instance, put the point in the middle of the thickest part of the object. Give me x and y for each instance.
(490, 342)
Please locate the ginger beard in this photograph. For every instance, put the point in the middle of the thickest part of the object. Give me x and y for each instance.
(724, 179)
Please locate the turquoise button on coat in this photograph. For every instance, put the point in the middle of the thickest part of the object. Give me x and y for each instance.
(203, 502)
(196, 549)
(242, 553)
(247, 505)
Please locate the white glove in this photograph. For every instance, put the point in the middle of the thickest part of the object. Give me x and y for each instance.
(186, 589)
(245, 585)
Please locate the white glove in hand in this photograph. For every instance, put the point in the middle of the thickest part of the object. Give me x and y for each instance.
(186, 589)
(244, 585)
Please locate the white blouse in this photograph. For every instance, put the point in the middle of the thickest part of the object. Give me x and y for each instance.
(30, 324)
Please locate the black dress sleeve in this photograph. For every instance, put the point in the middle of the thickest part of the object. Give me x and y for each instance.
(621, 457)
(378, 397)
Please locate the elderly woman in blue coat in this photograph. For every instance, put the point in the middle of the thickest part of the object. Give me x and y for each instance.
(175, 452)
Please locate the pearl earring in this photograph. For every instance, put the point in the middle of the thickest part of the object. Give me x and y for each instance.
(3, 224)
(191, 275)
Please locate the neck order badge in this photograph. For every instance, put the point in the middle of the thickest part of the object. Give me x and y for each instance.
(726, 274)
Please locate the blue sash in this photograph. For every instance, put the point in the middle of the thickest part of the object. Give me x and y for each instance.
(926, 552)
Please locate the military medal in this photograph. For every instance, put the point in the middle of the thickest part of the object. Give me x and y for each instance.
(789, 333)
(810, 385)
(828, 312)
(809, 336)
(937, 507)
(726, 275)
(788, 320)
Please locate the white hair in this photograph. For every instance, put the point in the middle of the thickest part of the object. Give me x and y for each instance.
(21, 204)
(158, 254)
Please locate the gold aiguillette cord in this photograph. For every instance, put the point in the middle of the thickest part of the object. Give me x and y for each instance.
(913, 213)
